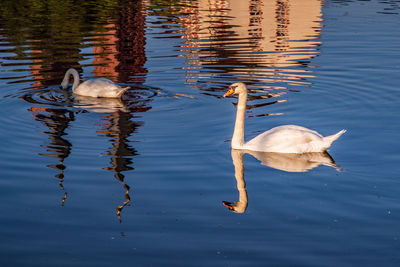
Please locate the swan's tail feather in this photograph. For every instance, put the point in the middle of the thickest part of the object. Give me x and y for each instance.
(333, 165)
(120, 93)
(331, 138)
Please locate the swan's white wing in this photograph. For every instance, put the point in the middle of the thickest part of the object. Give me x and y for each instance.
(99, 88)
(285, 139)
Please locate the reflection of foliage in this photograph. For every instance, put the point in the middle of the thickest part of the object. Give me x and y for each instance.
(53, 36)
(50, 33)
(55, 19)
(167, 8)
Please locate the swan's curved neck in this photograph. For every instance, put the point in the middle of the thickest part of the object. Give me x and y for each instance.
(238, 133)
(65, 81)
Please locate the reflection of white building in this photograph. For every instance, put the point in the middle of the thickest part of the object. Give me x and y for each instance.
(262, 37)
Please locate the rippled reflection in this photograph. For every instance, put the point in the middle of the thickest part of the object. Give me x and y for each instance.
(119, 50)
(259, 40)
(119, 120)
(119, 127)
(100, 105)
(268, 44)
(268, 41)
(280, 161)
(57, 121)
(50, 38)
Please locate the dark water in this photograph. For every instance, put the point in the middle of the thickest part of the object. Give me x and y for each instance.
(141, 181)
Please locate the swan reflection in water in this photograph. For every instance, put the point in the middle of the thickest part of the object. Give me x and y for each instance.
(100, 105)
(280, 161)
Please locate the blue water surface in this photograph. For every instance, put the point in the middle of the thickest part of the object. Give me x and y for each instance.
(143, 181)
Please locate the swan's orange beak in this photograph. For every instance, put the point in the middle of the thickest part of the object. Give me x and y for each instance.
(227, 204)
(229, 92)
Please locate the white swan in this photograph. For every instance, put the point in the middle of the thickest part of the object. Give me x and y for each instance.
(94, 87)
(281, 139)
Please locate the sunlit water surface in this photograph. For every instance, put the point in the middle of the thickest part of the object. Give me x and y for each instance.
(148, 180)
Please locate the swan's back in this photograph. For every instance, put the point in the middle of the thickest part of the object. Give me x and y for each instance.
(289, 139)
(99, 88)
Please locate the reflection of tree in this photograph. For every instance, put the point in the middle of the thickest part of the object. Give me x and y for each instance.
(54, 32)
(57, 121)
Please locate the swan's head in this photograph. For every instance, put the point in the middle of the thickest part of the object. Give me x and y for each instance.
(236, 88)
(238, 207)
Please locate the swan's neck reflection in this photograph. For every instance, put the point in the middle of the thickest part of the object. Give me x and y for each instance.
(280, 161)
(241, 205)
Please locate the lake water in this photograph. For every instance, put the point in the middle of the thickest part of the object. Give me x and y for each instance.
(148, 180)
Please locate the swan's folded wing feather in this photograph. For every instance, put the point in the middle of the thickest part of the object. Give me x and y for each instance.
(99, 88)
(285, 139)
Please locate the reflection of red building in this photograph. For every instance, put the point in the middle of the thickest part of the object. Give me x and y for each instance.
(36, 69)
(48, 63)
(120, 51)
(105, 54)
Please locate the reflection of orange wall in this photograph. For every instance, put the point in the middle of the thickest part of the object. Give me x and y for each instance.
(120, 52)
(105, 52)
(131, 48)
(36, 69)
(46, 67)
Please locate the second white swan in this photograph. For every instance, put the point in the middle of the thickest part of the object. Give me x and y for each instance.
(281, 139)
(95, 87)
